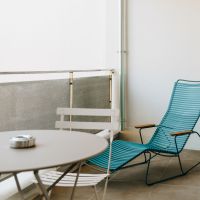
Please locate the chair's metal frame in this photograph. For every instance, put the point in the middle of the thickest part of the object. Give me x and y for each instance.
(183, 172)
(95, 125)
(177, 155)
(150, 154)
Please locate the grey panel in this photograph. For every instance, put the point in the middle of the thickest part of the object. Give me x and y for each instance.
(32, 105)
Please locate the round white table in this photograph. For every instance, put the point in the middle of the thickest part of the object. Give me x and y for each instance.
(53, 148)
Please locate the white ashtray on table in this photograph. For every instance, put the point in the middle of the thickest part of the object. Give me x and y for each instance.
(22, 141)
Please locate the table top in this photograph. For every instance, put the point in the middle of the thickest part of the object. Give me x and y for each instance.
(53, 148)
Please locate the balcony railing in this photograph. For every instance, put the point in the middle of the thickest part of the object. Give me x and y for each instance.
(24, 76)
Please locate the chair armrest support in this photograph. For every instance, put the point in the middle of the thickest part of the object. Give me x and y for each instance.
(145, 126)
(181, 133)
(186, 132)
(140, 127)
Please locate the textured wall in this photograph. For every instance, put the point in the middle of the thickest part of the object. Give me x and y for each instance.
(32, 105)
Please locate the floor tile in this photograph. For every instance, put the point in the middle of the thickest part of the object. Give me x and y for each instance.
(129, 184)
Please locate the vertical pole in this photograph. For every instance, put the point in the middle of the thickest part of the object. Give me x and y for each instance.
(112, 93)
(123, 62)
(71, 78)
(116, 97)
(110, 88)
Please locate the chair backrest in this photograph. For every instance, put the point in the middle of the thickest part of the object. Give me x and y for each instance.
(110, 127)
(182, 114)
(70, 124)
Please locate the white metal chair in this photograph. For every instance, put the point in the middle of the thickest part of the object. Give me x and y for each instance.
(70, 179)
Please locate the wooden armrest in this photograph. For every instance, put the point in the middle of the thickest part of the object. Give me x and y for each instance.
(181, 133)
(145, 126)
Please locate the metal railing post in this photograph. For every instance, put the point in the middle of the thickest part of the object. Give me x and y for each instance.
(110, 88)
(71, 79)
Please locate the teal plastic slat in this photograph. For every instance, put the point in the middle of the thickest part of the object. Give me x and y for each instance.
(182, 114)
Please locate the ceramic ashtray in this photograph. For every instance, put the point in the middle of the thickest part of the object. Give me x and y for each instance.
(22, 141)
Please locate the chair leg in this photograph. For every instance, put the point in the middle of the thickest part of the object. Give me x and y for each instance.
(147, 171)
(49, 193)
(104, 191)
(140, 132)
(41, 186)
(105, 188)
(145, 158)
(166, 179)
(18, 187)
(96, 193)
(180, 165)
(75, 183)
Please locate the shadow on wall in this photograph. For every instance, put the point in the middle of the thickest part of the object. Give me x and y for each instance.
(32, 105)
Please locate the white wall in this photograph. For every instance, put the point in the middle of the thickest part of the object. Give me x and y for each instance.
(113, 28)
(58, 34)
(164, 45)
(113, 44)
(52, 34)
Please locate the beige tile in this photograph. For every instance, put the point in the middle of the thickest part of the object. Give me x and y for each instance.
(83, 193)
(128, 191)
(190, 155)
(169, 192)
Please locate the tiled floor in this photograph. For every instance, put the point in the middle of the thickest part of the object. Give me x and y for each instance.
(129, 184)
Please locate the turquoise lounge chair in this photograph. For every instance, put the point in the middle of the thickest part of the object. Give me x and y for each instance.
(170, 135)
